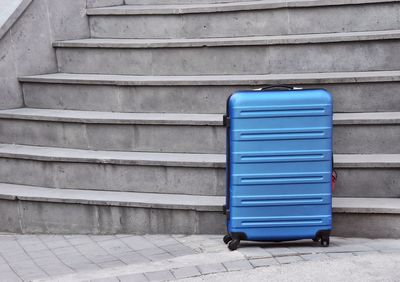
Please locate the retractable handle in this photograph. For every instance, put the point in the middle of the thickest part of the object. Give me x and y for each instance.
(278, 86)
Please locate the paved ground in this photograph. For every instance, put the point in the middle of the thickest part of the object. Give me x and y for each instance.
(192, 258)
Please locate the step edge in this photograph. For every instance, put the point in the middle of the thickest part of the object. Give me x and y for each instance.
(91, 197)
(128, 10)
(215, 206)
(215, 80)
(168, 120)
(13, 151)
(322, 38)
(364, 118)
(57, 154)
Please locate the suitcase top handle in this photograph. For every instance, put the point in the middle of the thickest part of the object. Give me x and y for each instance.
(278, 86)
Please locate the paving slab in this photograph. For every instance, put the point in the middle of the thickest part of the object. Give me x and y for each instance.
(182, 257)
(263, 262)
(133, 277)
(211, 268)
(162, 275)
(237, 265)
(185, 272)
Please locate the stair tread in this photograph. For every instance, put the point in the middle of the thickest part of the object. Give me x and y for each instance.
(231, 41)
(196, 80)
(170, 159)
(111, 117)
(111, 157)
(171, 201)
(219, 7)
(98, 117)
(134, 199)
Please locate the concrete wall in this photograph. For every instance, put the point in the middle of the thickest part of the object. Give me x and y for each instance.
(25, 48)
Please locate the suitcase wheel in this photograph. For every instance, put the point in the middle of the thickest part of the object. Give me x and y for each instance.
(325, 241)
(234, 244)
(227, 238)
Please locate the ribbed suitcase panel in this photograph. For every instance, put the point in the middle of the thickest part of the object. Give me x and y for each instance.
(280, 164)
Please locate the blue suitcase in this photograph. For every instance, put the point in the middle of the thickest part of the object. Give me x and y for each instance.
(279, 165)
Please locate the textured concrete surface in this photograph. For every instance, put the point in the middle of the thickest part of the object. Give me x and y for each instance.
(204, 23)
(366, 268)
(203, 174)
(194, 8)
(362, 133)
(103, 3)
(352, 92)
(10, 12)
(333, 57)
(191, 258)
(30, 209)
(213, 80)
(25, 49)
(162, 2)
(235, 41)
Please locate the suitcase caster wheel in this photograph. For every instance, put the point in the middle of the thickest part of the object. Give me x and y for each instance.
(234, 244)
(227, 239)
(325, 242)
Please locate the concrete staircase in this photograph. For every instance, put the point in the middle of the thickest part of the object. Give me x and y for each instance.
(128, 136)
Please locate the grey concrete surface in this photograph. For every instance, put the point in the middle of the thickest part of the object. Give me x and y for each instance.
(333, 57)
(133, 199)
(375, 91)
(380, 267)
(357, 133)
(10, 12)
(170, 2)
(216, 80)
(153, 179)
(378, 16)
(25, 49)
(374, 175)
(30, 209)
(194, 8)
(191, 258)
(234, 41)
(103, 3)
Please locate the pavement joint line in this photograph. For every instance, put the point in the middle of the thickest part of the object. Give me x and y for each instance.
(66, 265)
(12, 268)
(107, 252)
(34, 262)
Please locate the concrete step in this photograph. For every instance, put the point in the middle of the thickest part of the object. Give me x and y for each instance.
(179, 2)
(352, 91)
(374, 175)
(184, 133)
(30, 209)
(353, 51)
(196, 174)
(242, 18)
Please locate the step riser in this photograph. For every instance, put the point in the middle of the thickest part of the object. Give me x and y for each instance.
(179, 2)
(352, 182)
(352, 97)
(247, 23)
(90, 176)
(141, 138)
(354, 139)
(368, 183)
(58, 218)
(366, 225)
(332, 57)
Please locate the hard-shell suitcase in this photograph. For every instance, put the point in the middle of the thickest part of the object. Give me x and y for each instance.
(279, 165)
